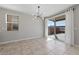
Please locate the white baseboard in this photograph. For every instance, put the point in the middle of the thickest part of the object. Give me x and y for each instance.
(19, 40)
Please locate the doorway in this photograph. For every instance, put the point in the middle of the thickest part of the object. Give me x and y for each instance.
(56, 28)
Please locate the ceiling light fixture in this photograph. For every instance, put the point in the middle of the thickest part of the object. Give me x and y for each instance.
(37, 13)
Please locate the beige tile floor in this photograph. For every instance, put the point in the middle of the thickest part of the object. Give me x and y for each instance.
(39, 46)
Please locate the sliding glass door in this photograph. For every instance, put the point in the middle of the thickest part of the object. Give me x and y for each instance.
(60, 29)
(50, 27)
(60, 26)
(56, 28)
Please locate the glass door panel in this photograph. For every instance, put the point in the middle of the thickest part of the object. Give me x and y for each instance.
(60, 29)
(50, 27)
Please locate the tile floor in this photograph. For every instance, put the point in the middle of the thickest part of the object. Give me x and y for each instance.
(39, 46)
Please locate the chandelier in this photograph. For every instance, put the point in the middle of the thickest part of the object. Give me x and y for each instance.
(37, 14)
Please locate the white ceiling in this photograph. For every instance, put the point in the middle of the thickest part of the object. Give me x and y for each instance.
(45, 9)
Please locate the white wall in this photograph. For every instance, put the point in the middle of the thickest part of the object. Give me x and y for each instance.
(76, 25)
(27, 27)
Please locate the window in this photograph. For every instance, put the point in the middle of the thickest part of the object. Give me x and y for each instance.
(50, 23)
(12, 23)
(50, 27)
(60, 26)
(60, 23)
